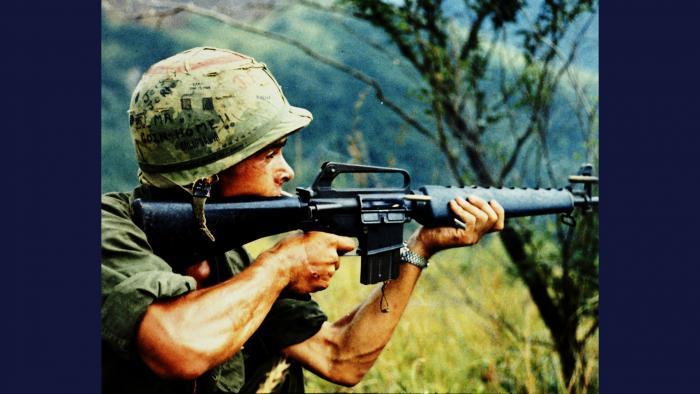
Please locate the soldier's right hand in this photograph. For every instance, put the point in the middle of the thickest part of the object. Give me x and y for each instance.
(312, 258)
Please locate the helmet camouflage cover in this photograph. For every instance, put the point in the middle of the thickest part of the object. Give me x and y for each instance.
(203, 110)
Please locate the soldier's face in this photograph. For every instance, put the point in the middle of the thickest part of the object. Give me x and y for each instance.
(262, 174)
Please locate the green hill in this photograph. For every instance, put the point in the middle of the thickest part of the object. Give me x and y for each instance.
(341, 105)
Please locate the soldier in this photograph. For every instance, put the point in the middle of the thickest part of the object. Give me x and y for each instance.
(214, 122)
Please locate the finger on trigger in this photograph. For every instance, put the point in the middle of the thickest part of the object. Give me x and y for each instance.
(344, 244)
(332, 269)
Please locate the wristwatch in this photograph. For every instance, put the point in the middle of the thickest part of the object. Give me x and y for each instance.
(407, 256)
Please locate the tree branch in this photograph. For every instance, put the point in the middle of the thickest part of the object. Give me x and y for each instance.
(516, 152)
(556, 51)
(589, 333)
(358, 75)
(452, 160)
(473, 37)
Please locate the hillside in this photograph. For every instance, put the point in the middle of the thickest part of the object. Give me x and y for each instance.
(342, 106)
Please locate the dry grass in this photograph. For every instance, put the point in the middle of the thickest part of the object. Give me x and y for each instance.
(274, 377)
(470, 327)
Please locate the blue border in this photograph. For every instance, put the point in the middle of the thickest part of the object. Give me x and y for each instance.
(650, 113)
(51, 62)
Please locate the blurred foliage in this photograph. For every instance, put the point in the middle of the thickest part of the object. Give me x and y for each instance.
(329, 94)
(470, 347)
(129, 48)
(454, 335)
(469, 112)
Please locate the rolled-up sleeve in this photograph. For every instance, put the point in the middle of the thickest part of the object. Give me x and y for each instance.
(126, 304)
(132, 276)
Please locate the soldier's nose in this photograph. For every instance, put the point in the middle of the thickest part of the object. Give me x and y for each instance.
(287, 173)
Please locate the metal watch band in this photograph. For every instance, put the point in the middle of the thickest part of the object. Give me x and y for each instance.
(407, 256)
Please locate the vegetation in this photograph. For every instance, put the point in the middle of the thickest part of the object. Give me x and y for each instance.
(497, 317)
(470, 327)
(470, 119)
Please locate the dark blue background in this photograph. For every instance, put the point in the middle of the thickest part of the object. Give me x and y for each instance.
(51, 94)
(649, 147)
(650, 113)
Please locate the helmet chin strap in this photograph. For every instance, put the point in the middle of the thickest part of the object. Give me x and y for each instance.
(200, 191)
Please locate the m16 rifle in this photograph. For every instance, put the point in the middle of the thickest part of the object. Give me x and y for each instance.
(375, 216)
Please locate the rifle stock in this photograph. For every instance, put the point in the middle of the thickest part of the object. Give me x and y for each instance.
(373, 215)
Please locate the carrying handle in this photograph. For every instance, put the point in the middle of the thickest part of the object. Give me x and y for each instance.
(330, 170)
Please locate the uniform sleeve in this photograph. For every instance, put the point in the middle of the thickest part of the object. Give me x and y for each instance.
(132, 276)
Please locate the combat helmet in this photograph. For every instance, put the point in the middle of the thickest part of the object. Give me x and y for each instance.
(203, 110)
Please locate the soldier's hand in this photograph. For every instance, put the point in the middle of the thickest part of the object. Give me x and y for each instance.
(312, 259)
(479, 217)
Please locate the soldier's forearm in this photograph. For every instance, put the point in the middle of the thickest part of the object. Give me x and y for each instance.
(185, 337)
(345, 350)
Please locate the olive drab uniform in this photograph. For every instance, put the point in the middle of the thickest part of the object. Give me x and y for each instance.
(133, 278)
(192, 116)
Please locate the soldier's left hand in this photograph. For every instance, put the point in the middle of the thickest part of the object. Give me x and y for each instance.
(480, 218)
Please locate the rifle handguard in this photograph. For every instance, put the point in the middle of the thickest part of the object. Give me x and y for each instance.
(375, 216)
